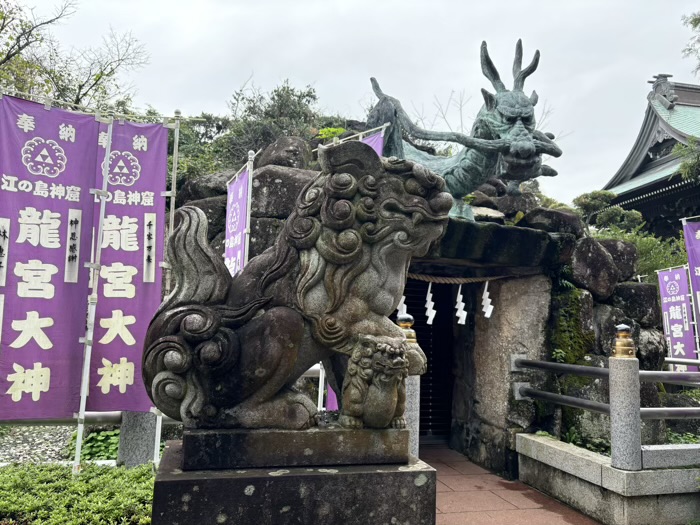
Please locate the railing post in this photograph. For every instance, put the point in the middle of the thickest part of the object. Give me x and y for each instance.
(625, 419)
(412, 411)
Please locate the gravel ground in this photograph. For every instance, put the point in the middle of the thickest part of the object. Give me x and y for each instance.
(34, 443)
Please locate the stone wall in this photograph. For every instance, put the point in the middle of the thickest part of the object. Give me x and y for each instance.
(486, 416)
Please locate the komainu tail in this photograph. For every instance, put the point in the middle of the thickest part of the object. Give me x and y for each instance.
(191, 341)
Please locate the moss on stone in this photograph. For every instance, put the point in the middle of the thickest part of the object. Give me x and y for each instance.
(567, 332)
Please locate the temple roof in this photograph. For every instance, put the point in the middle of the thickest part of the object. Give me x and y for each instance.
(672, 116)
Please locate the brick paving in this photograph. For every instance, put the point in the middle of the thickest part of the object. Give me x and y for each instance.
(470, 495)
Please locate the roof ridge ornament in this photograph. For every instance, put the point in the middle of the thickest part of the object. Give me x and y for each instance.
(662, 90)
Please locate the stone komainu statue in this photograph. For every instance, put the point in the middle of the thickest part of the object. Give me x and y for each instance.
(225, 352)
(503, 143)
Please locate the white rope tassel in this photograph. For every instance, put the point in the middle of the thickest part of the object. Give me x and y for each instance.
(459, 305)
(486, 305)
(429, 304)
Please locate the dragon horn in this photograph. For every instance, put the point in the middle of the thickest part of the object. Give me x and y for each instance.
(490, 70)
(521, 74)
(518, 62)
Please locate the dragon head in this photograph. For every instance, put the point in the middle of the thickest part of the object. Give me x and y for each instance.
(509, 115)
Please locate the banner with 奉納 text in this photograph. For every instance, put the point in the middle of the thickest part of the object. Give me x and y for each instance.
(237, 219)
(677, 313)
(133, 235)
(47, 166)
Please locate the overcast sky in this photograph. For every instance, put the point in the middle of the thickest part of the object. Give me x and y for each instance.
(597, 56)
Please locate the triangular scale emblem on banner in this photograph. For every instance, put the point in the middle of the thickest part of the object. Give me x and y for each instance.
(120, 167)
(44, 157)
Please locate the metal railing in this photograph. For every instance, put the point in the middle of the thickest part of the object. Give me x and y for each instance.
(624, 379)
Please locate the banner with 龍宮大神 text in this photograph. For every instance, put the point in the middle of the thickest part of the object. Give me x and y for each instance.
(677, 313)
(130, 288)
(47, 166)
(237, 222)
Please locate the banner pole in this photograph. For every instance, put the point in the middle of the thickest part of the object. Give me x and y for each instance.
(94, 266)
(251, 158)
(159, 428)
(172, 194)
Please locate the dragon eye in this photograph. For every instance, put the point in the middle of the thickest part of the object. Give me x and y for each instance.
(511, 120)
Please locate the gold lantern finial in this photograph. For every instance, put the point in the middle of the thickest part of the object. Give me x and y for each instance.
(624, 345)
(405, 321)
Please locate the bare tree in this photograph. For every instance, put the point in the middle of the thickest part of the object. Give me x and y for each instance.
(90, 77)
(20, 29)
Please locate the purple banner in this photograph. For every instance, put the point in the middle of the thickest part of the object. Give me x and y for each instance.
(376, 141)
(47, 162)
(677, 314)
(130, 272)
(691, 232)
(237, 217)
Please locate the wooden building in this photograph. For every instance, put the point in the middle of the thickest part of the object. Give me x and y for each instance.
(648, 180)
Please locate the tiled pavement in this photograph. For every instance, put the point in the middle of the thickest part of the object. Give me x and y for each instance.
(470, 495)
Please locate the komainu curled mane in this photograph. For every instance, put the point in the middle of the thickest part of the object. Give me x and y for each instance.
(225, 352)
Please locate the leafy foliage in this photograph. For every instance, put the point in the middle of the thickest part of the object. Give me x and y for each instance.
(559, 355)
(533, 186)
(600, 446)
(689, 169)
(50, 495)
(32, 61)
(103, 444)
(259, 118)
(654, 252)
(329, 133)
(692, 48)
(686, 438)
(626, 220)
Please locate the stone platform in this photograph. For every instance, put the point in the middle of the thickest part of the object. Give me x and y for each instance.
(347, 495)
(236, 449)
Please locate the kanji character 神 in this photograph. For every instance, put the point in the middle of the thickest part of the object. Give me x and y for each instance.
(34, 381)
(119, 374)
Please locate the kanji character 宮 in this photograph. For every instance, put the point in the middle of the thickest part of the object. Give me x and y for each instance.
(118, 277)
(36, 279)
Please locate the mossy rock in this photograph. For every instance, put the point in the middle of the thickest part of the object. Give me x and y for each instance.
(571, 325)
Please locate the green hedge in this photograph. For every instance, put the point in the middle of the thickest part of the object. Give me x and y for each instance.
(50, 495)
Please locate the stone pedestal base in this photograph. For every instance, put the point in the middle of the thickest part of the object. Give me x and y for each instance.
(347, 495)
(244, 448)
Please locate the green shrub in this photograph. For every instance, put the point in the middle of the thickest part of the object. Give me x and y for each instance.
(50, 495)
(329, 133)
(103, 444)
(655, 253)
(686, 438)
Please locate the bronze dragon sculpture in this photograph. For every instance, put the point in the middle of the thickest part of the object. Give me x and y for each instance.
(504, 142)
